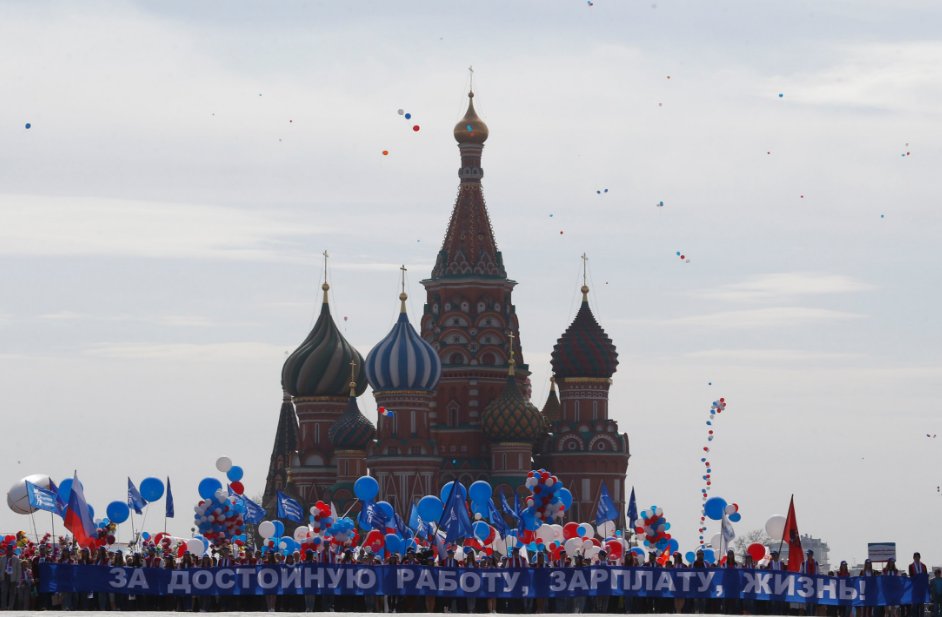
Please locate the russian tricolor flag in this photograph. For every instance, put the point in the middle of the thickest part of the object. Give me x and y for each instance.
(78, 520)
(388, 413)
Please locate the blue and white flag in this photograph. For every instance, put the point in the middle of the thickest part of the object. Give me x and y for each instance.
(507, 509)
(254, 513)
(135, 501)
(61, 505)
(41, 498)
(495, 518)
(401, 526)
(168, 512)
(289, 508)
(455, 521)
(606, 510)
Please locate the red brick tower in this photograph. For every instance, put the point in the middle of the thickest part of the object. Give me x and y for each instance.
(586, 448)
(467, 314)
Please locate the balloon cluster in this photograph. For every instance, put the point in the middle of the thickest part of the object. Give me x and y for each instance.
(716, 407)
(548, 499)
(219, 516)
(654, 527)
(320, 517)
(342, 532)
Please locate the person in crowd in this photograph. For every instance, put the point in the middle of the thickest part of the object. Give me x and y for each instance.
(935, 592)
(917, 568)
(890, 569)
(810, 567)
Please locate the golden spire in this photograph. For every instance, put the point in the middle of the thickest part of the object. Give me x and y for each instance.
(403, 295)
(585, 288)
(325, 286)
(511, 363)
(353, 378)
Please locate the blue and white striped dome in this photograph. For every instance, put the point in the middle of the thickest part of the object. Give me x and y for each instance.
(403, 360)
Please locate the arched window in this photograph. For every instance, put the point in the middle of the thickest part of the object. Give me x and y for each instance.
(456, 358)
(488, 359)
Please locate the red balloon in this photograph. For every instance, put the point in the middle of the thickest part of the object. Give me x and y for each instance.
(756, 551)
(237, 487)
(571, 530)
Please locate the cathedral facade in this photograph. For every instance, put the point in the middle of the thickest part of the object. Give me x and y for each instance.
(456, 391)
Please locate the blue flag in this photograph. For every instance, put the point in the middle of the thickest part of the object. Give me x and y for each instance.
(169, 511)
(506, 507)
(41, 498)
(632, 509)
(455, 521)
(414, 518)
(373, 517)
(254, 513)
(60, 504)
(495, 517)
(401, 527)
(606, 510)
(289, 508)
(135, 501)
(421, 528)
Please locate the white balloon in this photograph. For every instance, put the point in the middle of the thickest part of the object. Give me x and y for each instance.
(195, 546)
(775, 527)
(591, 552)
(730, 509)
(224, 463)
(17, 497)
(557, 532)
(572, 545)
(589, 531)
(302, 533)
(717, 543)
(459, 554)
(500, 545)
(606, 529)
(545, 533)
(266, 529)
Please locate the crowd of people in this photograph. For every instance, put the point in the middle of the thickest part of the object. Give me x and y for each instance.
(21, 571)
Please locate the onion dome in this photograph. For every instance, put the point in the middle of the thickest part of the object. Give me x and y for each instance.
(471, 129)
(320, 365)
(552, 410)
(511, 417)
(584, 350)
(403, 360)
(352, 430)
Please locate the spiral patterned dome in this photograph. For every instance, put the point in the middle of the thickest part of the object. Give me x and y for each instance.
(403, 360)
(511, 417)
(320, 366)
(352, 430)
(584, 350)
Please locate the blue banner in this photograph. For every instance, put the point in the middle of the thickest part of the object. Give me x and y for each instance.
(41, 499)
(359, 580)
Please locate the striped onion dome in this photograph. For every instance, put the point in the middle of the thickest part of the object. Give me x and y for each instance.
(352, 430)
(584, 350)
(403, 360)
(320, 366)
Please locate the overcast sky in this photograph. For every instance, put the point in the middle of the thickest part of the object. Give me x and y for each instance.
(162, 219)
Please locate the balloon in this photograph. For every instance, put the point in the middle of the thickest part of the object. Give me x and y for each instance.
(430, 508)
(394, 544)
(615, 549)
(587, 531)
(18, 499)
(756, 551)
(366, 488)
(266, 529)
(480, 491)
(565, 496)
(730, 509)
(607, 528)
(302, 533)
(735, 517)
(708, 555)
(118, 512)
(446, 492)
(235, 473)
(65, 489)
(690, 557)
(195, 546)
(572, 545)
(481, 530)
(208, 486)
(386, 508)
(714, 507)
(237, 487)
(570, 530)
(152, 489)
(279, 528)
(775, 527)
(223, 464)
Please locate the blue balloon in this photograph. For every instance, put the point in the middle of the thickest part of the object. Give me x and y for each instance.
(446, 492)
(714, 507)
(735, 517)
(208, 487)
(480, 508)
(481, 530)
(673, 545)
(235, 473)
(118, 512)
(279, 528)
(430, 508)
(65, 489)
(708, 555)
(565, 496)
(152, 489)
(690, 557)
(386, 508)
(394, 544)
(480, 491)
(366, 488)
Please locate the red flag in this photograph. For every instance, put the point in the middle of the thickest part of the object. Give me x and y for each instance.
(790, 535)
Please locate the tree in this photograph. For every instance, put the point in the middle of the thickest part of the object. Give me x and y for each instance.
(740, 544)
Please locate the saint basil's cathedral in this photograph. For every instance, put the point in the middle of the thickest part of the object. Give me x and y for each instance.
(458, 391)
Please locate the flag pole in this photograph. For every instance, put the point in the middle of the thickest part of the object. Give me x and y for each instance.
(782, 539)
(355, 501)
(32, 517)
(52, 520)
